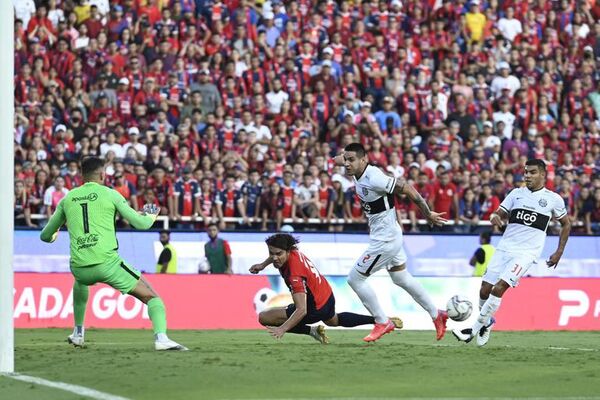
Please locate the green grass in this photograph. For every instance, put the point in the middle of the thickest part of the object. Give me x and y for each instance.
(251, 365)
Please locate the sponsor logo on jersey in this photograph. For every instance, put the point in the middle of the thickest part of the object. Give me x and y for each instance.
(365, 191)
(529, 218)
(543, 202)
(89, 197)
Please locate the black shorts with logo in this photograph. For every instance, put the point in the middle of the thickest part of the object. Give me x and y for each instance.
(313, 315)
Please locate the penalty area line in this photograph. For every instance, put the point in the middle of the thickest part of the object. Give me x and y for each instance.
(67, 387)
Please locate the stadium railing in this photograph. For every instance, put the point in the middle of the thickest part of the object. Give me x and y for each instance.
(166, 221)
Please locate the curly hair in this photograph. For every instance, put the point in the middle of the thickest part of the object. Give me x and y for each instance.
(283, 241)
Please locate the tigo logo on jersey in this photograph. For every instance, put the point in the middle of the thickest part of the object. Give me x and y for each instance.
(527, 218)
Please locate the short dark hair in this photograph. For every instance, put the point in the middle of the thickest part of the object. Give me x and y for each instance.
(536, 162)
(168, 232)
(91, 166)
(283, 241)
(212, 224)
(486, 236)
(356, 147)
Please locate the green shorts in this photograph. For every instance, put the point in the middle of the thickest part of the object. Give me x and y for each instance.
(118, 274)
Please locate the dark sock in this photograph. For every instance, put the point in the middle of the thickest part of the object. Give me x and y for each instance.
(348, 319)
(300, 329)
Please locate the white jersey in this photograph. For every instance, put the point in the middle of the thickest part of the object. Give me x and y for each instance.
(529, 215)
(375, 191)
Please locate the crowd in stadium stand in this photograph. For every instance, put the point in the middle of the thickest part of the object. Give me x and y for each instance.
(216, 109)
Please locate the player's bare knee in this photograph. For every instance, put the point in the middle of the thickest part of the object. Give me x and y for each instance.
(500, 288)
(485, 290)
(263, 319)
(332, 321)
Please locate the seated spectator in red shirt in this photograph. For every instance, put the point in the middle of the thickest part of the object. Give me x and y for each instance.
(444, 197)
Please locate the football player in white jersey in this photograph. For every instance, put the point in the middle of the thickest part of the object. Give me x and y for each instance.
(377, 192)
(528, 211)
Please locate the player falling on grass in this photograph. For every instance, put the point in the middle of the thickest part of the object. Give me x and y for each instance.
(89, 212)
(528, 210)
(377, 192)
(312, 295)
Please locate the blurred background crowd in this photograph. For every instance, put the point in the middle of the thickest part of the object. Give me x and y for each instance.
(217, 110)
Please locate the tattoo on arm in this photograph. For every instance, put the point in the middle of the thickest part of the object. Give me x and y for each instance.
(564, 233)
(418, 200)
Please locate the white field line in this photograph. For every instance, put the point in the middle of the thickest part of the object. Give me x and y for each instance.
(67, 387)
(428, 398)
(507, 346)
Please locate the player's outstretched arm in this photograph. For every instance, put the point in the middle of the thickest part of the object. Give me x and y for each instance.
(565, 230)
(300, 302)
(50, 231)
(256, 268)
(138, 221)
(433, 217)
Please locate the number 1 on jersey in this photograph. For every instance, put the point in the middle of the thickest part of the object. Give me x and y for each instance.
(86, 222)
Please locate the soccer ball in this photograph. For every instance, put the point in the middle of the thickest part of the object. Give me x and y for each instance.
(459, 308)
(262, 298)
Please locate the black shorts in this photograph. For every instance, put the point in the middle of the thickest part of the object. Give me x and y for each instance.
(313, 315)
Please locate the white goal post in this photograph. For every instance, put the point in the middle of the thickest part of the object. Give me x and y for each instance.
(7, 360)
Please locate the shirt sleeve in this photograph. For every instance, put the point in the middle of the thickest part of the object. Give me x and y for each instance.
(56, 221)
(48, 197)
(559, 210)
(165, 256)
(298, 284)
(382, 182)
(226, 248)
(138, 221)
(480, 255)
(507, 203)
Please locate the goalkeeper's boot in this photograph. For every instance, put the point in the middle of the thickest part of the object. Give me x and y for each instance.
(440, 324)
(379, 330)
(76, 338)
(168, 344)
(484, 333)
(464, 335)
(318, 333)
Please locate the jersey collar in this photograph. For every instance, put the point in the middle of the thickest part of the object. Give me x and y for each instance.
(533, 191)
(363, 173)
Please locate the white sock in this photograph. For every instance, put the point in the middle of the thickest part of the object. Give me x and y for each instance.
(407, 282)
(481, 303)
(366, 294)
(487, 312)
(161, 337)
(313, 330)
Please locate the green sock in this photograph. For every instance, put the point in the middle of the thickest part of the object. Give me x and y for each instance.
(80, 298)
(158, 315)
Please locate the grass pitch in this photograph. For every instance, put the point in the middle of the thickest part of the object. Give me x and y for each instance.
(251, 365)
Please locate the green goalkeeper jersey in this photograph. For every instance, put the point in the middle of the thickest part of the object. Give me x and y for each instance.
(90, 213)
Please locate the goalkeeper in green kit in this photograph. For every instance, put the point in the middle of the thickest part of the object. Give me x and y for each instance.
(89, 212)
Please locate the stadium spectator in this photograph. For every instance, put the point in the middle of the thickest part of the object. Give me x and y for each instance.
(54, 194)
(268, 83)
(482, 256)
(167, 260)
(217, 251)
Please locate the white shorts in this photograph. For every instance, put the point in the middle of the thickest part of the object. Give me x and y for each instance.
(509, 267)
(380, 255)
